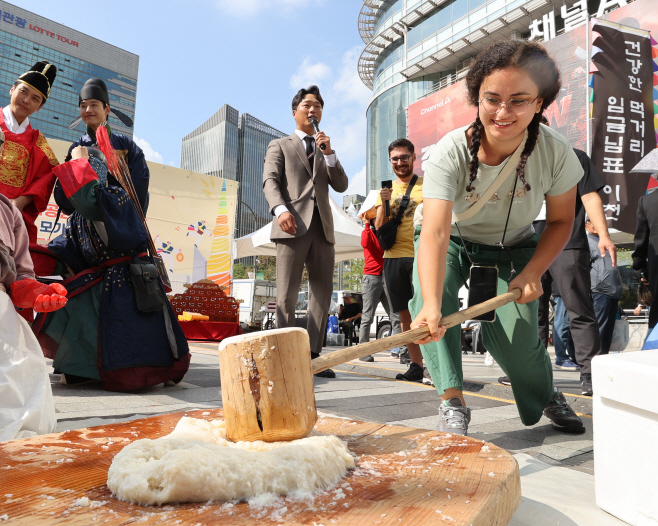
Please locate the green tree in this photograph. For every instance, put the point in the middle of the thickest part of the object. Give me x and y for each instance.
(239, 271)
(267, 266)
(353, 274)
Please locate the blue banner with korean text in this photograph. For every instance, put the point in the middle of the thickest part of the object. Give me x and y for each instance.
(622, 115)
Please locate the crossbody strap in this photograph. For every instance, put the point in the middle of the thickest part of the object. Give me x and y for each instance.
(509, 167)
(405, 199)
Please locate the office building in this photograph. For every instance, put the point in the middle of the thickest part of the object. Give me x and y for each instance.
(414, 48)
(26, 38)
(213, 148)
(352, 205)
(254, 135)
(233, 146)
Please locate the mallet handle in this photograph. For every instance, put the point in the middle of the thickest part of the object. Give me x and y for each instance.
(364, 349)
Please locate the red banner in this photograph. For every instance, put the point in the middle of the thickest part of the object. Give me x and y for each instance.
(434, 116)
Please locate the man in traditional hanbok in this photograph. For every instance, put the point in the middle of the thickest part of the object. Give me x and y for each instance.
(95, 109)
(118, 326)
(26, 400)
(27, 162)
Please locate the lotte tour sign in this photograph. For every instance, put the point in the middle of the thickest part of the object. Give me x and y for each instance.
(18, 21)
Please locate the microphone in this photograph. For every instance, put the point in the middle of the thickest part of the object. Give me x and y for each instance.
(314, 123)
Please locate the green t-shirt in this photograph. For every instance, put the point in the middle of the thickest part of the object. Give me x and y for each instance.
(551, 169)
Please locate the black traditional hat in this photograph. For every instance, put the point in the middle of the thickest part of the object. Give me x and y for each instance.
(40, 77)
(97, 89)
(94, 89)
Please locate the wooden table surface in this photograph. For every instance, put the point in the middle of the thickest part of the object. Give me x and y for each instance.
(403, 476)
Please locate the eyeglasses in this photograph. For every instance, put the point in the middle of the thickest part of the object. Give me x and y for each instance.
(518, 106)
(402, 158)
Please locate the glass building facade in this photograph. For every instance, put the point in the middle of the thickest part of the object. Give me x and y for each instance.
(253, 210)
(414, 47)
(26, 38)
(213, 148)
(233, 146)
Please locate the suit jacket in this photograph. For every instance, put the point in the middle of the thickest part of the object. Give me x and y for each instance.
(646, 237)
(288, 180)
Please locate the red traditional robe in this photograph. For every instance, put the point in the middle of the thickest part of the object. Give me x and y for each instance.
(26, 168)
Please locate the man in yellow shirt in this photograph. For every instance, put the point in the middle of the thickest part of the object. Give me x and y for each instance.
(399, 259)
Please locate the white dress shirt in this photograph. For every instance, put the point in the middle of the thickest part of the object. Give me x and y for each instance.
(12, 123)
(330, 159)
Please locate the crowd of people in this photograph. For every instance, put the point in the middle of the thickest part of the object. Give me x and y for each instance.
(103, 315)
(506, 193)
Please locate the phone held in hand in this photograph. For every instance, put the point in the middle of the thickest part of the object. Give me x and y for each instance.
(483, 286)
(387, 206)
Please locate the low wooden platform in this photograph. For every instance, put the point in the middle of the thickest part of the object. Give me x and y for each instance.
(404, 476)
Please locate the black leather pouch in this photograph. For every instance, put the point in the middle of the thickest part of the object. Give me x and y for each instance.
(387, 233)
(149, 295)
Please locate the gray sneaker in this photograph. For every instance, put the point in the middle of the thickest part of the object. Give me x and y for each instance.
(454, 417)
(427, 379)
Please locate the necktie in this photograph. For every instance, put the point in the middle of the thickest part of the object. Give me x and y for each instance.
(309, 150)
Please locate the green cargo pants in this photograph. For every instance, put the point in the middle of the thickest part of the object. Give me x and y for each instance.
(513, 339)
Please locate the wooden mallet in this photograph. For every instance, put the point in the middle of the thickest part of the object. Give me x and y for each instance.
(267, 377)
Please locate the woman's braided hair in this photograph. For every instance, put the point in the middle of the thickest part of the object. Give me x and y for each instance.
(536, 62)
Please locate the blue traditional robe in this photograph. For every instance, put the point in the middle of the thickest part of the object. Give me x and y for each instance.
(134, 157)
(101, 333)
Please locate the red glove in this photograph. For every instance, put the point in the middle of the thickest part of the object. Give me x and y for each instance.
(30, 294)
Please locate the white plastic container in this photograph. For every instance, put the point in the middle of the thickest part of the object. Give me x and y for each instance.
(335, 340)
(625, 405)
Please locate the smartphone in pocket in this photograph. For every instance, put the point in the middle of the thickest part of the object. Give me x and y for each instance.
(483, 286)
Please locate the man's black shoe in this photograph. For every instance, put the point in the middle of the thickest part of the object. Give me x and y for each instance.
(413, 374)
(368, 358)
(327, 373)
(561, 415)
(504, 380)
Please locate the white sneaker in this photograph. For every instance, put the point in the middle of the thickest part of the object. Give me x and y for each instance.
(488, 359)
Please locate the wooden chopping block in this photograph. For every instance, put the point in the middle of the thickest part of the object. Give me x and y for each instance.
(401, 478)
(267, 377)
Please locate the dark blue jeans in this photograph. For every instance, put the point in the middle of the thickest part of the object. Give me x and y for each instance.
(564, 348)
(605, 308)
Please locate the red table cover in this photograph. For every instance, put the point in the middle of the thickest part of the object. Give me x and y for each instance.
(209, 330)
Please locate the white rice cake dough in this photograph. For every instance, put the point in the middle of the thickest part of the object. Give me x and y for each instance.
(196, 463)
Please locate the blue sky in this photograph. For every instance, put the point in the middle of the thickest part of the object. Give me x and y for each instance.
(197, 55)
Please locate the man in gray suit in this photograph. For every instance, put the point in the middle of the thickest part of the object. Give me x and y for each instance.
(296, 177)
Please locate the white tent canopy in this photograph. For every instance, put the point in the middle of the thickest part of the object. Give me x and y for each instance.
(347, 233)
